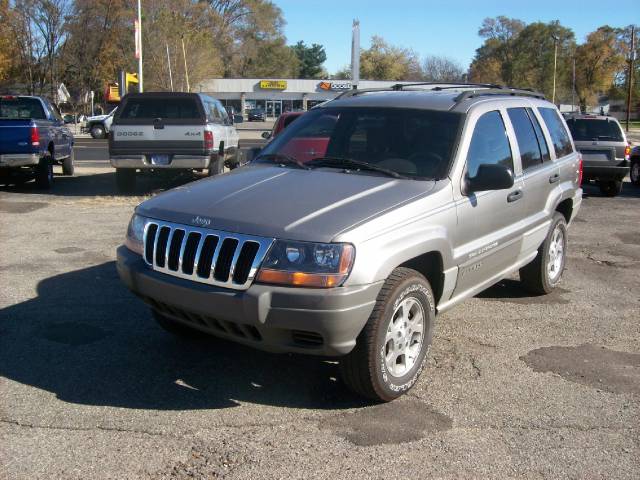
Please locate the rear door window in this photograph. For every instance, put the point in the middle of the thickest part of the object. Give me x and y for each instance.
(530, 154)
(18, 108)
(542, 142)
(559, 134)
(583, 129)
(185, 108)
(489, 144)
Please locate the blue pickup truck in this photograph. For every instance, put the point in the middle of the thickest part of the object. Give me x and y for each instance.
(33, 137)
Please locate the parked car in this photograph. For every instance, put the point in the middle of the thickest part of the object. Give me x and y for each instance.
(418, 200)
(33, 137)
(604, 149)
(281, 123)
(100, 125)
(167, 130)
(634, 171)
(256, 115)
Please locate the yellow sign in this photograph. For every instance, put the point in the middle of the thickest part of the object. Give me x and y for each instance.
(273, 84)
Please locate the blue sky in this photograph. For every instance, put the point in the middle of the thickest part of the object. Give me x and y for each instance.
(436, 27)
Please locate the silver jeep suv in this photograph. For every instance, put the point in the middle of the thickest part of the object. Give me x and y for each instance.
(362, 220)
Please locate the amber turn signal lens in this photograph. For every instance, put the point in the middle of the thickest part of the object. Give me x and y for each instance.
(300, 279)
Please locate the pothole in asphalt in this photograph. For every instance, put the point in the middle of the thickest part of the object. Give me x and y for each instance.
(73, 333)
(590, 365)
(21, 207)
(69, 250)
(403, 420)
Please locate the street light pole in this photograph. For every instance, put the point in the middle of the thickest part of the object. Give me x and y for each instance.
(555, 64)
(186, 70)
(139, 45)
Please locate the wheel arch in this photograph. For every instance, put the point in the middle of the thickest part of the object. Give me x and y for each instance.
(430, 265)
(565, 207)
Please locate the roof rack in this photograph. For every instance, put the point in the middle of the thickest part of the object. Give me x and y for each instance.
(476, 90)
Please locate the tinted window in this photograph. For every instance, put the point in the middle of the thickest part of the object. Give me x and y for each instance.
(530, 155)
(289, 119)
(150, 108)
(21, 107)
(542, 142)
(414, 143)
(595, 129)
(489, 144)
(559, 135)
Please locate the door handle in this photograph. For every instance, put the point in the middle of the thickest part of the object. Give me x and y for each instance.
(515, 195)
(554, 178)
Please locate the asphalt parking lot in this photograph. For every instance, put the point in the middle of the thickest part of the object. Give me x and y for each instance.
(516, 386)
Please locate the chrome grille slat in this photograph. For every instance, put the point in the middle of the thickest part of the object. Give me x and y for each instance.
(263, 246)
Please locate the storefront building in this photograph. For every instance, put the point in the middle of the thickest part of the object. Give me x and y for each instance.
(275, 96)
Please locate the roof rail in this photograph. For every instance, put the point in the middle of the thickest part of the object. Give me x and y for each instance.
(474, 89)
(500, 90)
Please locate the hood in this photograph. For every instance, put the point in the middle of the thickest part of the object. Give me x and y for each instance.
(270, 201)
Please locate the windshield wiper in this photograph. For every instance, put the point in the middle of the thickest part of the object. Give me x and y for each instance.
(351, 164)
(282, 160)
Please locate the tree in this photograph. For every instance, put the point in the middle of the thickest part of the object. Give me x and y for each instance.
(310, 59)
(493, 62)
(598, 61)
(6, 41)
(442, 69)
(388, 62)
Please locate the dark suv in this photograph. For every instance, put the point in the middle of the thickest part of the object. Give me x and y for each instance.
(604, 149)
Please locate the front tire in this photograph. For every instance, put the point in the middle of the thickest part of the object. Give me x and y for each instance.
(97, 132)
(610, 188)
(543, 274)
(391, 350)
(68, 167)
(635, 171)
(44, 173)
(126, 180)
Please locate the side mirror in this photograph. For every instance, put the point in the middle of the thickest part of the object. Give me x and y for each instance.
(489, 177)
(266, 135)
(238, 119)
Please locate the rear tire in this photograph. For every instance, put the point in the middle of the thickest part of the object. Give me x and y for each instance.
(68, 167)
(543, 274)
(391, 350)
(174, 327)
(126, 179)
(635, 171)
(97, 132)
(610, 188)
(44, 173)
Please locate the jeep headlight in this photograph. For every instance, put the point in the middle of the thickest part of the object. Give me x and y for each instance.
(306, 264)
(135, 234)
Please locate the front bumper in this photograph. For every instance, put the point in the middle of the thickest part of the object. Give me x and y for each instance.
(278, 319)
(175, 161)
(606, 171)
(19, 160)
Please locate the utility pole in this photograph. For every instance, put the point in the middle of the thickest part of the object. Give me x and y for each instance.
(632, 54)
(139, 46)
(186, 71)
(169, 63)
(555, 64)
(355, 54)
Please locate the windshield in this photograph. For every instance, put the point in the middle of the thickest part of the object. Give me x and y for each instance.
(412, 143)
(594, 129)
(16, 108)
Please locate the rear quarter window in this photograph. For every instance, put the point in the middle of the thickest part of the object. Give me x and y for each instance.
(185, 108)
(559, 135)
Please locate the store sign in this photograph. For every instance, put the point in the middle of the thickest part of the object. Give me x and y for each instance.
(342, 85)
(273, 84)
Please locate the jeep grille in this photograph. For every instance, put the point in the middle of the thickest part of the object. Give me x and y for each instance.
(207, 256)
